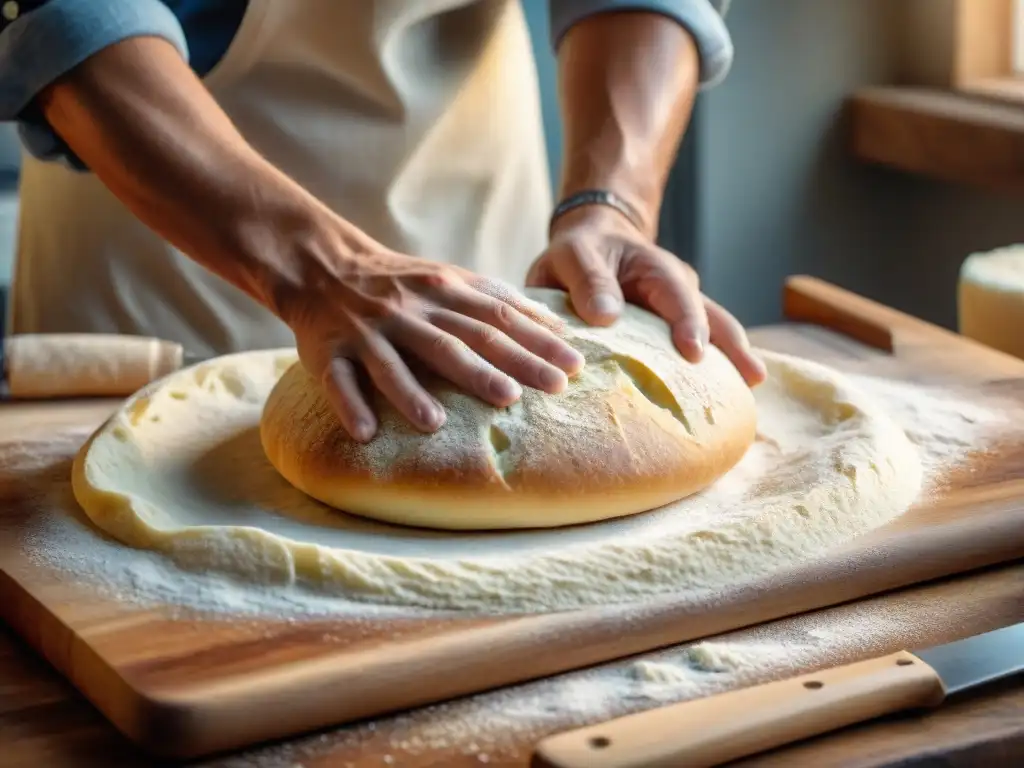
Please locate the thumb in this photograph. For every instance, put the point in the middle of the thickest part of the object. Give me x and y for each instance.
(539, 275)
(592, 284)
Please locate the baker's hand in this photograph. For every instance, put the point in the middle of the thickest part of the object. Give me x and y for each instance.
(601, 260)
(356, 307)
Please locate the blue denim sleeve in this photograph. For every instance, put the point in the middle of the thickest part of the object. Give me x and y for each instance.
(47, 38)
(703, 19)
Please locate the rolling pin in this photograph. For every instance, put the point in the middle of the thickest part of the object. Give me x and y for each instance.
(38, 366)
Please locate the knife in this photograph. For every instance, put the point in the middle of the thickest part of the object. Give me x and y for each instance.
(718, 729)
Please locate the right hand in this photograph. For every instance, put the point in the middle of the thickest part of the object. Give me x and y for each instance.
(141, 120)
(360, 306)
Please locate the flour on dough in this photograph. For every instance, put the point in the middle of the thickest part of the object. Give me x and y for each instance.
(179, 469)
(660, 672)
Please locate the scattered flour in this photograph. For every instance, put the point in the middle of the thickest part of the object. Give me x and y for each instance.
(946, 428)
(494, 726)
(829, 464)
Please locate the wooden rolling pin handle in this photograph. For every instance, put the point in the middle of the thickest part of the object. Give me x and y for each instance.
(717, 729)
(49, 365)
(809, 300)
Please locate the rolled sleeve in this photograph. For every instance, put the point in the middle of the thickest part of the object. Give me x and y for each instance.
(49, 38)
(702, 18)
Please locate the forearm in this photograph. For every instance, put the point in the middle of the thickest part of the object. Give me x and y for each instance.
(146, 126)
(627, 82)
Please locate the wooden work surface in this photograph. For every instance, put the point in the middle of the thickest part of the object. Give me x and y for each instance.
(45, 722)
(231, 683)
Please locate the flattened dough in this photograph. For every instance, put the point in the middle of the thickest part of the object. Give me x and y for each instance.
(180, 469)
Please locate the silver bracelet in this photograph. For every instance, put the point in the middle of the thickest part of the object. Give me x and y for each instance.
(596, 197)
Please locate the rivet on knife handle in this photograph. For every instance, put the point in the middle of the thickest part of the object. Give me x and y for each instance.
(717, 729)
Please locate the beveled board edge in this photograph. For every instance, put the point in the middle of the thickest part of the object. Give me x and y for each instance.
(199, 719)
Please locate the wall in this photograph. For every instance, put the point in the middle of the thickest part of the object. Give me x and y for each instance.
(777, 192)
(764, 186)
(10, 161)
(537, 17)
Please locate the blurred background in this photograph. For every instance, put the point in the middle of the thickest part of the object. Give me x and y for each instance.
(767, 184)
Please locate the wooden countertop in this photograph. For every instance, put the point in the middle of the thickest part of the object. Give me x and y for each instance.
(44, 722)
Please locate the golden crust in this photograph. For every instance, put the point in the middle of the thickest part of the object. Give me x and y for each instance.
(638, 428)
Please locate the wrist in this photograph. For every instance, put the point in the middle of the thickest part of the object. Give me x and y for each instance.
(588, 219)
(595, 206)
(294, 248)
(635, 203)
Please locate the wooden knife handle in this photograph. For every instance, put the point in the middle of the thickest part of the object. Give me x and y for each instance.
(717, 729)
(50, 365)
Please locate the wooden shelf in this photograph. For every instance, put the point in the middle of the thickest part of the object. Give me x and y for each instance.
(947, 135)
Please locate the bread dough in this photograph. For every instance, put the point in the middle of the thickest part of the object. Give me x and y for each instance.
(637, 428)
(180, 469)
(990, 299)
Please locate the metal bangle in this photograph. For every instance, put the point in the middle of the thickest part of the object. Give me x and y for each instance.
(596, 197)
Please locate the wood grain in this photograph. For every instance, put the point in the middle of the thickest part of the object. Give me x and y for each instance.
(718, 729)
(185, 686)
(953, 136)
(45, 722)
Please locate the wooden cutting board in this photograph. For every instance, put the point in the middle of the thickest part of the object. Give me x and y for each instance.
(184, 687)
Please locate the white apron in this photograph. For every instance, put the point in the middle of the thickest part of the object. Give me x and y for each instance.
(417, 120)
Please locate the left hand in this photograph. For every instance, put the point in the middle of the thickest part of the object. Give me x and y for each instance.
(602, 260)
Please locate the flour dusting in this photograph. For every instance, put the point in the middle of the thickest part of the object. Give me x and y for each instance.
(829, 464)
(947, 426)
(511, 447)
(946, 429)
(494, 726)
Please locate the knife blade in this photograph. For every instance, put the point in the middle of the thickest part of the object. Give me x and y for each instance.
(718, 729)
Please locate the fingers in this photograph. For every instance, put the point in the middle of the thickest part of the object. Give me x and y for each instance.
(345, 396)
(397, 383)
(482, 335)
(540, 276)
(591, 282)
(509, 316)
(503, 353)
(534, 310)
(452, 358)
(729, 336)
(674, 294)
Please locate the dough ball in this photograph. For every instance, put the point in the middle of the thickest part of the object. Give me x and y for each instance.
(990, 300)
(638, 428)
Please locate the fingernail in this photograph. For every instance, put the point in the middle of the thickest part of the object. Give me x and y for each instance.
(694, 349)
(568, 359)
(431, 416)
(576, 361)
(604, 304)
(504, 388)
(553, 380)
